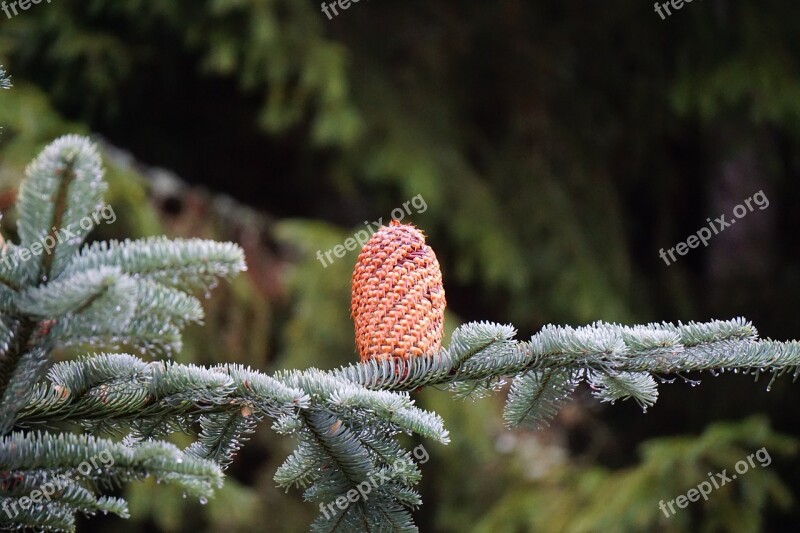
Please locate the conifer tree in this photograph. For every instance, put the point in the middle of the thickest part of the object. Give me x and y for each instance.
(74, 428)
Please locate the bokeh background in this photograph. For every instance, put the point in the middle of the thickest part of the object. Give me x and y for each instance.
(557, 146)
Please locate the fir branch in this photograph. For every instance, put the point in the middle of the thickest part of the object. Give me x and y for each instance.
(8, 301)
(300, 468)
(468, 341)
(168, 304)
(121, 388)
(476, 389)
(8, 327)
(714, 345)
(185, 264)
(613, 386)
(382, 514)
(347, 442)
(64, 185)
(49, 516)
(336, 394)
(30, 368)
(57, 512)
(268, 394)
(14, 272)
(536, 396)
(45, 456)
(5, 80)
(76, 293)
(24, 363)
(742, 355)
(5, 83)
(346, 430)
(124, 391)
(222, 435)
(149, 334)
(340, 451)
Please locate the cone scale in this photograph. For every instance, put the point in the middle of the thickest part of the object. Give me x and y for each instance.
(397, 296)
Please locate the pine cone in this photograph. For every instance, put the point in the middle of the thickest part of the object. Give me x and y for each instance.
(397, 297)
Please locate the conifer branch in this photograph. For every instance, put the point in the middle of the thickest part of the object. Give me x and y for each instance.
(55, 293)
(5, 80)
(70, 468)
(185, 264)
(5, 83)
(14, 273)
(24, 362)
(347, 421)
(64, 185)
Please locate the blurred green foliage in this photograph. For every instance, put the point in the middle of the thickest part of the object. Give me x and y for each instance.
(578, 498)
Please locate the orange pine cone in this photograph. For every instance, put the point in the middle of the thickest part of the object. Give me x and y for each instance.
(397, 297)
